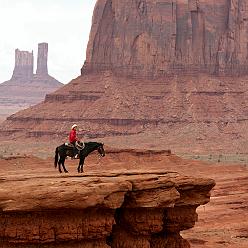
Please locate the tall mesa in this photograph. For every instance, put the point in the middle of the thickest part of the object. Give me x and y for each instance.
(153, 38)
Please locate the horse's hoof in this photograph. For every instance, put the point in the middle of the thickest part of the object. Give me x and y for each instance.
(60, 171)
(66, 171)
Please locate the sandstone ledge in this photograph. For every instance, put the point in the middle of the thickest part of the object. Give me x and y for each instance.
(118, 209)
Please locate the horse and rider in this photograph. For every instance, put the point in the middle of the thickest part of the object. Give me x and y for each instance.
(73, 139)
(76, 149)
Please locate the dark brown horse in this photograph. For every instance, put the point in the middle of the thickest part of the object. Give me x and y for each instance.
(64, 150)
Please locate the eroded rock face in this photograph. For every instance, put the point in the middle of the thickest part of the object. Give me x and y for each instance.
(207, 113)
(42, 59)
(24, 66)
(153, 38)
(134, 209)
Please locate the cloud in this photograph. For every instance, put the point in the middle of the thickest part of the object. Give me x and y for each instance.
(64, 24)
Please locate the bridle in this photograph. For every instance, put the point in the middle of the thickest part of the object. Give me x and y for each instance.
(101, 151)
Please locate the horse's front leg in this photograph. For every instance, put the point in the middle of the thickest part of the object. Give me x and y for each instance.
(80, 166)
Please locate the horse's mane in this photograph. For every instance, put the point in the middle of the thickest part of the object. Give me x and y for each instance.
(91, 146)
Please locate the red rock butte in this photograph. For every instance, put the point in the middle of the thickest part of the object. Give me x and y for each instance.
(153, 38)
(156, 65)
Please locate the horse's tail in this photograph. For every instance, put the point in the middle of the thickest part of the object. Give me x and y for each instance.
(56, 158)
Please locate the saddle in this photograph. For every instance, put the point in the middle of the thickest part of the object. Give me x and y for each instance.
(79, 145)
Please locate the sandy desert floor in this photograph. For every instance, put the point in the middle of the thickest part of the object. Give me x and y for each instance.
(222, 223)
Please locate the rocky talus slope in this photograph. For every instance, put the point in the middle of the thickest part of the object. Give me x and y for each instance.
(118, 209)
(179, 110)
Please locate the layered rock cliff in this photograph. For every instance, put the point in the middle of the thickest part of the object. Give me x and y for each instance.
(133, 209)
(153, 38)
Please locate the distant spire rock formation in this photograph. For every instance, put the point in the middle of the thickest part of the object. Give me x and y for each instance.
(24, 64)
(25, 88)
(42, 59)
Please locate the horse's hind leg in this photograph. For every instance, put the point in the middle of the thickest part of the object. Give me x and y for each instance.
(60, 161)
(63, 164)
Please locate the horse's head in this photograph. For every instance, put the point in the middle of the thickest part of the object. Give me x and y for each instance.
(100, 149)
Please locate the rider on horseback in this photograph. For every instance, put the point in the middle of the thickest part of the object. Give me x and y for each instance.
(73, 139)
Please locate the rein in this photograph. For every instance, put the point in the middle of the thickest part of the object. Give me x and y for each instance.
(80, 145)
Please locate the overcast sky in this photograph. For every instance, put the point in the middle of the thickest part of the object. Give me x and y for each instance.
(63, 24)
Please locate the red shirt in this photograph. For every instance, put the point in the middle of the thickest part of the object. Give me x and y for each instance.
(73, 136)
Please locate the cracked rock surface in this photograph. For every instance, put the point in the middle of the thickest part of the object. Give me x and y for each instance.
(111, 209)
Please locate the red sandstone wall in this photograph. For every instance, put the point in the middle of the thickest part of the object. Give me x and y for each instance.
(152, 38)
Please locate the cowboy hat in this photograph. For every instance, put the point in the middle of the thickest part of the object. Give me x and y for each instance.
(73, 126)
